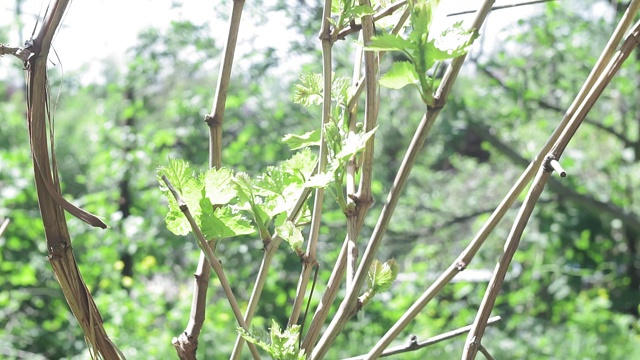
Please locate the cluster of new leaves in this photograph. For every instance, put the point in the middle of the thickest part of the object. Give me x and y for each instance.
(379, 279)
(309, 92)
(343, 143)
(424, 50)
(280, 345)
(225, 204)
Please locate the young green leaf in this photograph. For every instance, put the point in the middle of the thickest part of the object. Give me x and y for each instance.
(309, 91)
(359, 11)
(291, 234)
(421, 18)
(319, 180)
(244, 188)
(381, 276)
(340, 87)
(389, 42)
(224, 223)
(354, 143)
(451, 43)
(218, 186)
(179, 174)
(333, 137)
(401, 74)
(311, 138)
(333, 23)
(299, 166)
(271, 182)
(190, 189)
(278, 190)
(250, 202)
(279, 345)
(335, 7)
(260, 337)
(285, 344)
(176, 222)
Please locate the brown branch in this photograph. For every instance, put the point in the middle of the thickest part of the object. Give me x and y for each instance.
(363, 198)
(414, 344)
(52, 205)
(23, 53)
(349, 305)
(355, 27)
(473, 247)
(629, 44)
(187, 342)
(485, 352)
(213, 261)
(309, 260)
(350, 176)
(511, 246)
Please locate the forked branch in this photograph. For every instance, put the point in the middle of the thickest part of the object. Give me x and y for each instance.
(187, 343)
(215, 264)
(414, 344)
(52, 204)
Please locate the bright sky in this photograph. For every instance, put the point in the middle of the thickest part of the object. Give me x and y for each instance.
(96, 29)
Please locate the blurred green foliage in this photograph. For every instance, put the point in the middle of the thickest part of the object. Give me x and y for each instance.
(574, 287)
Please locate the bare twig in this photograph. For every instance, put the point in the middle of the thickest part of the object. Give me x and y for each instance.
(389, 10)
(477, 331)
(486, 353)
(352, 228)
(414, 344)
(363, 198)
(349, 305)
(309, 259)
(215, 120)
(22, 53)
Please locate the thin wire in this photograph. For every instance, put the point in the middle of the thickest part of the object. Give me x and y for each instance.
(502, 7)
(306, 311)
